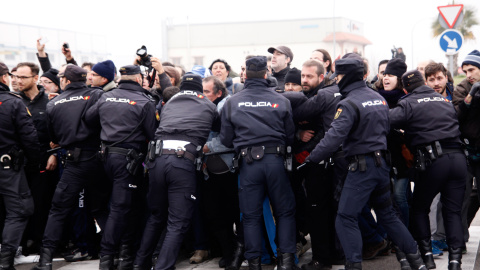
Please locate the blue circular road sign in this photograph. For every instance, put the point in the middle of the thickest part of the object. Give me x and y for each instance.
(451, 41)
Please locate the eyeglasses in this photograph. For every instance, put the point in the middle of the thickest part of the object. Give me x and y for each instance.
(45, 82)
(22, 77)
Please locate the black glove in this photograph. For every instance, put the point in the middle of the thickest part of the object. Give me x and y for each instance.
(475, 88)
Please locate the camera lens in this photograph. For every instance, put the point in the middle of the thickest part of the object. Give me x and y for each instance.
(141, 52)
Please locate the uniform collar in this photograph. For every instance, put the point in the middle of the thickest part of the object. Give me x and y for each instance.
(4, 87)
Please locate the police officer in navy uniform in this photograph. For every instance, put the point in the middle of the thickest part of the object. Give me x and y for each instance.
(19, 138)
(185, 124)
(258, 123)
(431, 129)
(127, 116)
(82, 169)
(360, 125)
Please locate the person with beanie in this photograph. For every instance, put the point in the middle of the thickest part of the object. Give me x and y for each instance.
(293, 80)
(103, 75)
(50, 81)
(185, 123)
(432, 132)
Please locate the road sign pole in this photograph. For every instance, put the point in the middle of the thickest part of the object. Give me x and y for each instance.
(450, 66)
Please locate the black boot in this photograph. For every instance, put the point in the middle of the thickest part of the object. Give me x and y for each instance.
(106, 262)
(255, 264)
(415, 260)
(425, 247)
(402, 259)
(286, 261)
(6, 260)
(454, 258)
(45, 261)
(353, 266)
(237, 257)
(225, 239)
(125, 260)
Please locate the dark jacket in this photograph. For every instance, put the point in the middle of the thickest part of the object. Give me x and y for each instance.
(257, 116)
(38, 108)
(425, 116)
(187, 116)
(66, 114)
(16, 126)
(360, 124)
(121, 110)
(280, 76)
(468, 116)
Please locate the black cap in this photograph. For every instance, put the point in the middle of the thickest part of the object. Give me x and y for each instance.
(396, 67)
(52, 74)
(256, 63)
(294, 75)
(130, 70)
(191, 81)
(347, 65)
(4, 69)
(412, 79)
(74, 74)
(282, 49)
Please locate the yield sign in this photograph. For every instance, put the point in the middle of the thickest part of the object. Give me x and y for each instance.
(450, 13)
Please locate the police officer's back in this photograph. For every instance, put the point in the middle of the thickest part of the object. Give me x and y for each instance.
(127, 116)
(19, 138)
(68, 128)
(258, 123)
(361, 125)
(432, 131)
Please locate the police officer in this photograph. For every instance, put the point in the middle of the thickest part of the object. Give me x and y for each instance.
(185, 124)
(82, 169)
(258, 123)
(119, 110)
(18, 136)
(434, 139)
(361, 125)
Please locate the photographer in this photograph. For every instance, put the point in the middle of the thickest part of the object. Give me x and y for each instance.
(398, 53)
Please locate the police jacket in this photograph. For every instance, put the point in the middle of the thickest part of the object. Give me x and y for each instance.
(16, 125)
(187, 116)
(468, 115)
(360, 124)
(38, 108)
(257, 116)
(426, 116)
(123, 110)
(66, 113)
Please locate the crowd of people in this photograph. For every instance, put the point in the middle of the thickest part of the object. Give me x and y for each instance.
(134, 165)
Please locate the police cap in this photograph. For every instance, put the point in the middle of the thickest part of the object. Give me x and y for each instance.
(191, 81)
(347, 65)
(412, 80)
(130, 70)
(4, 69)
(74, 74)
(257, 63)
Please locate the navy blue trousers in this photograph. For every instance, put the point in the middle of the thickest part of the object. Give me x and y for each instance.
(257, 180)
(355, 195)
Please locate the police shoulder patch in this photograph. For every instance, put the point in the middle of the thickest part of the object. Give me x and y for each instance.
(339, 111)
(157, 115)
(28, 111)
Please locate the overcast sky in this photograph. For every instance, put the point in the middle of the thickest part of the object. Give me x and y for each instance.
(129, 24)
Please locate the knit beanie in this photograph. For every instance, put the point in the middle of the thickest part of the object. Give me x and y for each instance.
(294, 76)
(472, 58)
(396, 67)
(52, 75)
(105, 69)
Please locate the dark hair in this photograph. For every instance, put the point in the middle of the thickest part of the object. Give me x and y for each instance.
(227, 66)
(315, 63)
(433, 68)
(89, 64)
(382, 63)
(255, 74)
(218, 85)
(326, 57)
(167, 64)
(33, 67)
(172, 73)
(169, 92)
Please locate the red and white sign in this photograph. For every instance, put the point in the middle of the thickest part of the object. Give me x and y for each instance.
(450, 13)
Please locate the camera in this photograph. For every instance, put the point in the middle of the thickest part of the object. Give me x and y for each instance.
(144, 57)
(66, 46)
(394, 52)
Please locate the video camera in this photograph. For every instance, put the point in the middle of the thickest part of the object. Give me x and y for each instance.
(394, 52)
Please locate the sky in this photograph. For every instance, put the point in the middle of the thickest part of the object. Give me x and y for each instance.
(130, 24)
